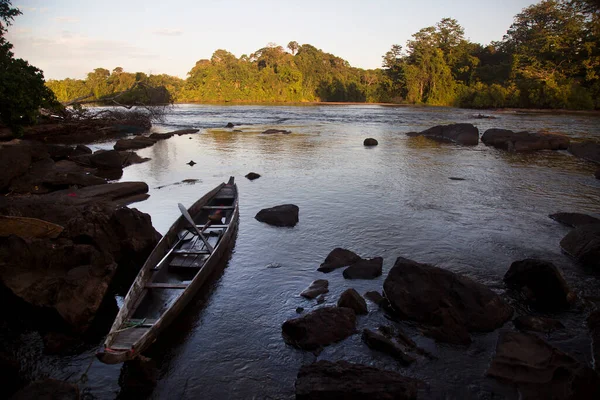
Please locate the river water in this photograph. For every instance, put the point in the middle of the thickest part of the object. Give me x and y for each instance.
(395, 199)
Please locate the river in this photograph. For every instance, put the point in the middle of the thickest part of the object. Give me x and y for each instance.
(395, 199)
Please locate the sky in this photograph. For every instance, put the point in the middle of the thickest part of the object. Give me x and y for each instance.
(69, 38)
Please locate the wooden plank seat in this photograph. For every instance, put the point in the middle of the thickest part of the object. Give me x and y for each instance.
(217, 207)
(164, 285)
(190, 251)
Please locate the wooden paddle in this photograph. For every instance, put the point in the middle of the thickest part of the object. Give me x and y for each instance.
(189, 219)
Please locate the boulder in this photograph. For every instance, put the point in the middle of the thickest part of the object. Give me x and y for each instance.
(10, 379)
(326, 380)
(351, 299)
(593, 322)
(318, 287)
(283, 215)
(587, 150)
(338, 258)
(229, 125)
(82, 149)
(15, 160)
(583, 244)
(160, 136)
(449, 304)
(119, 193)
(465, 134)
(48, 389)
(364, 269)
(574, 219)
(136, 143)
(370, 142)
(252, 176)
(104, 159)
(274, 131)
(541, 283)
(319, 328)
(58, 343)
(379, 342)
(537, 324)
(375, 297)
(130, 158)
(541, 371)
(138, 378)
(524, 141)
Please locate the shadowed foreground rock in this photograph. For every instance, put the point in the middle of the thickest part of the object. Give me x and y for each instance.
(283, 215)
(541, 371)
(465, 134)
(541, 283)
(338, 258)
(318, 287)
(574, 220)
(587, 150)
(325, 380)
(319, 328)
(48, 389)
(351, 299)
(537, 324)
(449, 304)
(364, 269)
(583, 244)
(378, 341)
(524, 141)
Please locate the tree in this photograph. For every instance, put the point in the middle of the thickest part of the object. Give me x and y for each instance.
(22, 88)
(293, 46)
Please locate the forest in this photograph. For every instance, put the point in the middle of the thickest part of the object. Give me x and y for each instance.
(548, 58)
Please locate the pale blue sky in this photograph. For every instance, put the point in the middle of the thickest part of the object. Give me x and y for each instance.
(67, 38)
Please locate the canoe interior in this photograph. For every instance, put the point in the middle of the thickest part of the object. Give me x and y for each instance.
(175, 270)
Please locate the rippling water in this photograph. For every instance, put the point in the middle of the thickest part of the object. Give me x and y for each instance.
(392, 200)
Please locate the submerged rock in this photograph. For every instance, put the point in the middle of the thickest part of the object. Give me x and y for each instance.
(465, 134)
(541, 371)
(364, 269)
(181, 132)
(583, 244)
(541, 283)
(524, 141)
(351, 299)
(379, 342)
(537, 324)
(283, 215)
(574, 219)
(139, 142)
(325, 380)
(370, 142)
(161, 136)
(338, 258)
(319, 328)
(318, 287)
(252, 176)
(449, 304)
(274, 131)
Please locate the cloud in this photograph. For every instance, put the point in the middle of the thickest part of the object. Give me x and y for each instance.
(66, 20)
(168, 32)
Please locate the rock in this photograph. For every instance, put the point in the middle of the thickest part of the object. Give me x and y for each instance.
(119, 193)
(28, 228)
(82, 149)
(379, 342)
(370, 142)
(326, 380)
(10, 379)
(375, 297)
(483, 116)
(587, 150)
(252, 176)
(130, 158)
(593, 323)
(161, 136)
(583, 244)
(597, 174)
(104, 159)
(541, 283)
(351, 299)
(452, 178)
(181, 132)
(274, 131)
(316, 288)
(524, 141)
(321, 299)
(48, 389)
(450, 304)
(319, 328)
(537, 324)
(283, 215)
(138, 379)
(364, 269)
(541, 371)
(299, 310)
(57, 343)
(136, 143)
(229, 125)
(574, 219)
(191, 163)
(465, 134)
(338, 258)
(15, 159)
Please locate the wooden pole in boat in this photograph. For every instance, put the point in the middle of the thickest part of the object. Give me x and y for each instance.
(189, 219)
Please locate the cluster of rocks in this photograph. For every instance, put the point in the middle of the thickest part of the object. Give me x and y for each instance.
(140, 142)
(524, 141)
(583, 242)
(357, 267)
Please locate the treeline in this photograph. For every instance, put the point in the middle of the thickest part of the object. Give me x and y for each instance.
(549, 58)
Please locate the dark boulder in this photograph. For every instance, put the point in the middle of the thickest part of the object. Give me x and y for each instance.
(326, 380)
(252, 176)
(105, 159)
(10, 379)
(229, 125)
(181, 132)
(319, 328)
(364, 269)
(465, 134)
(48, 389)
(318, 287)
(138, 379)
(15, 159)
(574, 219)
(370, 142)
(59, 343)
(82, 149)
(283, 215)
(537, 324)
(161, 136)
(275, 131)
(378, 341)
(541, 283)
(136, 143)
(338, 258)
(583, 244)
(449, 304)
(375, 297)
(541, 371)
(593, 322)
(351, 299)
(130, 158)
(587, 150)
(524, 141)
(119, 193)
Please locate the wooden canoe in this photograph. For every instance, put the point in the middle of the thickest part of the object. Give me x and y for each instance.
(175, 270)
